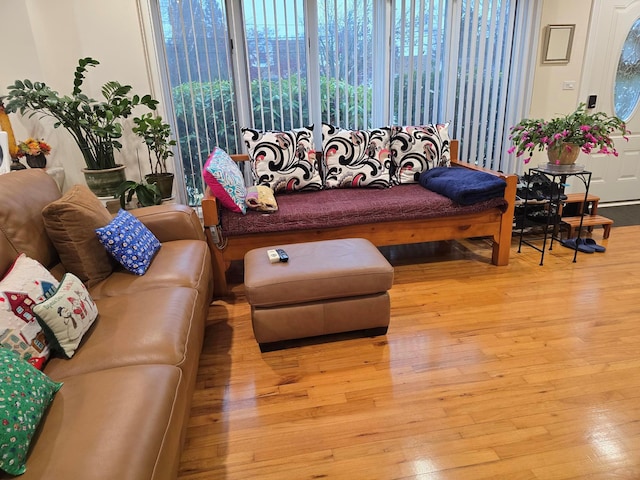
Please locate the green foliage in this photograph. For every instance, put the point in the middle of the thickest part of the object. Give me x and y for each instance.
(206, 115)
(94, 125)
(156, 135)
(147, 193)
(587, 130)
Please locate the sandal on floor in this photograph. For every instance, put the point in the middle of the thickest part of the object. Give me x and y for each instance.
(571, 243)
(590, 242)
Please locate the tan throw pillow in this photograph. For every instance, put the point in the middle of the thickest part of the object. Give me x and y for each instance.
(71, 222)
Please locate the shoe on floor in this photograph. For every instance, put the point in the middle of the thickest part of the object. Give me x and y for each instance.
(581, 247)
(590, 242)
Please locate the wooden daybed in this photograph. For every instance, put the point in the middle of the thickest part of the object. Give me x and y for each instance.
(492, 222)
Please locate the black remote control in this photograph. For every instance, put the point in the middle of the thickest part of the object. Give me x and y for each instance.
(283, 255)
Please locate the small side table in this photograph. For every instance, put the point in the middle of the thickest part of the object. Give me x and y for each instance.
(558, 175)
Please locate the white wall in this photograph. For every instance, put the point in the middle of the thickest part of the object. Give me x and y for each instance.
(548, 97)
(43, 40)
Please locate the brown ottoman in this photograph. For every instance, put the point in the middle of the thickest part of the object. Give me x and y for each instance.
(326, 287)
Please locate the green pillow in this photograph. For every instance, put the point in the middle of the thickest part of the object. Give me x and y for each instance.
(25, 394)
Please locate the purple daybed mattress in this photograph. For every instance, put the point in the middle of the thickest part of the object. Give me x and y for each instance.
(343, 207)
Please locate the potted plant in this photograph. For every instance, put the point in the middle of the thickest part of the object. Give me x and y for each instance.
(95, 125)
(156, 134)
(35, 151)
(147, 194)
(565, 136)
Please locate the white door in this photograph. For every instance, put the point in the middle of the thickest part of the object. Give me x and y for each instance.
(615, 178)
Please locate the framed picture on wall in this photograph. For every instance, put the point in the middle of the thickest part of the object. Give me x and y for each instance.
(558, 40)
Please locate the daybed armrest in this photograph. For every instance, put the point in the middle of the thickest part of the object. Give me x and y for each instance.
(171, 222)
(210, 209)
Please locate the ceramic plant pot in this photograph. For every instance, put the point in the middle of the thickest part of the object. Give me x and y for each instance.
(104, 183)
(164, 182)
(566, 154)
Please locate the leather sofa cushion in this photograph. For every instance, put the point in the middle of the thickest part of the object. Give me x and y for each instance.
(182, 263)
(149, 327)
(23, 194)
(71, 222)
(124, 414)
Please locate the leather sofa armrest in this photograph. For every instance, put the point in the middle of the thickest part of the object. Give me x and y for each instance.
(171, 222)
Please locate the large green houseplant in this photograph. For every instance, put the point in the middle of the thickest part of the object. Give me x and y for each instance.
(156, 135)
(95, 125)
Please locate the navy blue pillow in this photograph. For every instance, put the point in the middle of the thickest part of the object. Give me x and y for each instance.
(129, 242)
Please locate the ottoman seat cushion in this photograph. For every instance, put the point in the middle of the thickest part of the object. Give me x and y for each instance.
(316, 271)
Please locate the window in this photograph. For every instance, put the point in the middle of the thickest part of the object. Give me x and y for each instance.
(282, 64)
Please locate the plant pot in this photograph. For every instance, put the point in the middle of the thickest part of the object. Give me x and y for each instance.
(567, 154)
(37, 161)
(104, 183)
(164, 182)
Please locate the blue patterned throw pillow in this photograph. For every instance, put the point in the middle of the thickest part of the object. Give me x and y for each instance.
(129, 242)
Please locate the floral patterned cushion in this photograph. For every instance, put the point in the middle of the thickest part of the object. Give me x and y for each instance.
(283, 161)
(224, 178)
(25, 394)
(129, 242)
(356, 158)
(415, 149)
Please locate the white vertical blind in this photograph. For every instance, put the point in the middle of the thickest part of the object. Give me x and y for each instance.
(479, 52)
(282, 64)
(276, 63)
(417, 66)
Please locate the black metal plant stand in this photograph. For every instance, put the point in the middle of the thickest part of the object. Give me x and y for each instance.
(558, 175)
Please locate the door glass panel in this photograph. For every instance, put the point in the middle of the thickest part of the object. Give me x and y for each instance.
(627, 86)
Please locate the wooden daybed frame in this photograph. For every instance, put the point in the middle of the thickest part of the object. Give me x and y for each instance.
(491, 223)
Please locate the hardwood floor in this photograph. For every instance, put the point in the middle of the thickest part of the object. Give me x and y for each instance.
(517, 372)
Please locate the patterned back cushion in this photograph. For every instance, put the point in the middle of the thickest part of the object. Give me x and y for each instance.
(224, 178)
(415, 149)
(66, 315)
(356, 158)
(26, 394)
(25, 284)
(129, 241)
(283, 161)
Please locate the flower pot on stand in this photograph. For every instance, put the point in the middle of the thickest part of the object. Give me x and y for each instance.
(164, 181)
(104, 183)
(565, 154)
(36, 161)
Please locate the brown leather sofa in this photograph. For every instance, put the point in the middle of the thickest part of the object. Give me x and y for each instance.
(123, 409)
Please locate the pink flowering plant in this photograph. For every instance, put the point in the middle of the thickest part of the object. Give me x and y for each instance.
(590, 131)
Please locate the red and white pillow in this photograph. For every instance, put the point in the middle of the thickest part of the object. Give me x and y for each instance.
(23, 286)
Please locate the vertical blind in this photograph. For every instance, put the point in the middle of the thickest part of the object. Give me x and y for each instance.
(282, 64)
(456, 62)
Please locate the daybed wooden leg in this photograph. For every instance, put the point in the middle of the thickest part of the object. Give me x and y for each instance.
(501, 252)
(502, 241)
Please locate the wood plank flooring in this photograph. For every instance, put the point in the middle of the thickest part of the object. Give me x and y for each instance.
(518, 372)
